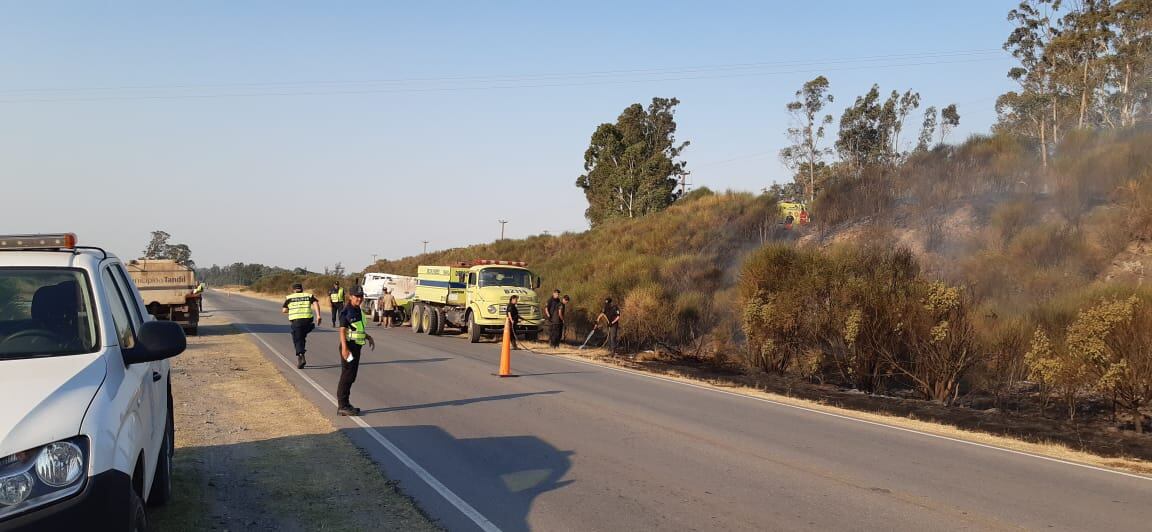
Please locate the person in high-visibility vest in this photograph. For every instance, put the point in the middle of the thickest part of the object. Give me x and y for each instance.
(302, 309)
(353, 336)
(336, 297)
(199, 291)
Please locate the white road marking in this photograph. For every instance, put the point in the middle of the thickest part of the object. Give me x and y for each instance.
(460, 504)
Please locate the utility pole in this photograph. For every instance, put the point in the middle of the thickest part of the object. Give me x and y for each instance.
(502, 222)
(684, 184)
(373, 258)
(425, 245)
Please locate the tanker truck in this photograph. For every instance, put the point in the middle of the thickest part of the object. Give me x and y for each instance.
(472, 297)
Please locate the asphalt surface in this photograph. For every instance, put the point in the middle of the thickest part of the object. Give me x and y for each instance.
(576, 446)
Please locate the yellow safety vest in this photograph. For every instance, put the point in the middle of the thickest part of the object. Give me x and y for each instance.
(358, 331)
(337, 296)
(199, 288)
(299, 306)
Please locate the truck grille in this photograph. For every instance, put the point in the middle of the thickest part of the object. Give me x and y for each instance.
(526, 311)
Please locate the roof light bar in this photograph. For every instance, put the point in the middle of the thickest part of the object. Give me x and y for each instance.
(519, 263)
(22, 242)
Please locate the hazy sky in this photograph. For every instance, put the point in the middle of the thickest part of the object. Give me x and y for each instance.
(252, 131)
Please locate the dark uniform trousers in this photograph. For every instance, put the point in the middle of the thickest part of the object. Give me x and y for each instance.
(300, 329)
(348, 371)
(336, 308)
(613, 335)
(556, 334)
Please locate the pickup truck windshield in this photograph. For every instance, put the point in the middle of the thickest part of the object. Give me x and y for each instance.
(45, 312)
(505, 277)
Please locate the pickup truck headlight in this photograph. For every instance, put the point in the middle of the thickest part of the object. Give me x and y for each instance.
(42, 475)
(60, 464)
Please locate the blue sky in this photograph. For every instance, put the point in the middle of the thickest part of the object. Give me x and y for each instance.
(306, 133)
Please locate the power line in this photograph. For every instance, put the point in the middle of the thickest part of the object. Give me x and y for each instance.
(489, 87)
(535, 77)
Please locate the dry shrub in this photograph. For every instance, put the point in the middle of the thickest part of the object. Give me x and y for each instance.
(646, 321)
(1010, 218)
(865, 310)
(1104, 347)
(1005, 340)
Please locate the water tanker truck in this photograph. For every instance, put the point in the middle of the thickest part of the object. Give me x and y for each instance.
(472, 297)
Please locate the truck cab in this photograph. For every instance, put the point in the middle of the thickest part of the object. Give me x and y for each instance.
(473, 296)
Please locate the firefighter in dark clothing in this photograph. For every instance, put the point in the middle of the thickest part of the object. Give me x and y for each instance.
(556, 323)
(336, 297)
(302, 309)
(612, 315)
(353, 336)
(513, 320)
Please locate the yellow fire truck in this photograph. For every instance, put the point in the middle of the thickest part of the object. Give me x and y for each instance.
(473, 297)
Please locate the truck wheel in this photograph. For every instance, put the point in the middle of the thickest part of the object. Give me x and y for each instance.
(162, 479)
(418, 318)
(397, 317)
(431, 321)
(473, 329)
(139, 518)
(532, 336)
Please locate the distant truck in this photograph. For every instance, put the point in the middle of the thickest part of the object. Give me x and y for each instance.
(402, 287)
(167, 289)
(473, 297)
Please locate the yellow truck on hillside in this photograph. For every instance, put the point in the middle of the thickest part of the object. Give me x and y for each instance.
(473, 297)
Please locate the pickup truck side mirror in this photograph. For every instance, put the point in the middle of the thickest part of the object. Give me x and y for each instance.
(156, 340)
(538, 282)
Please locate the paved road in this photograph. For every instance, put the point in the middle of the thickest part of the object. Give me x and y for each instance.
(574, 446)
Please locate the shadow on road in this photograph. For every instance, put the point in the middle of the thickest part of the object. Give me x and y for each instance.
(459, 402)
(500, 476)
(403, 361)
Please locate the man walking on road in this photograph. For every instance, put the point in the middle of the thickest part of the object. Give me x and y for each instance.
(302, 309)
(387, 306)
(353, 336)
(336, 297)
(612, 314)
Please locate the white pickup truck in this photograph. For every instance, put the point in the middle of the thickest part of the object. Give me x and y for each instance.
(86, 425)
(402, 287)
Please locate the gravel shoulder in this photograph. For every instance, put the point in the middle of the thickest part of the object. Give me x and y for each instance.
(252, 454)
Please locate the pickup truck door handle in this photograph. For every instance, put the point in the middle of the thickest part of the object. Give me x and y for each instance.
(156, 376)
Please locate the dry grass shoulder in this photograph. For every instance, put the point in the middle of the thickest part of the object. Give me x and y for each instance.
(921, 416)
(252, 454)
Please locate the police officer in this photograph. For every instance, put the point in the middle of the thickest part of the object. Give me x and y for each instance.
(301, 309)
(336, 296)
(199, 291)
(353, 336)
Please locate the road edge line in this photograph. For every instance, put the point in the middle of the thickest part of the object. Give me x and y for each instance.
(460, 504)
(855, 419)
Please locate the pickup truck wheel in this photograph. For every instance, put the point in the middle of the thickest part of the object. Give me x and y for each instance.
(473, 329)
(431, 321)
(139, 518)
(418, 318)
(162, 480)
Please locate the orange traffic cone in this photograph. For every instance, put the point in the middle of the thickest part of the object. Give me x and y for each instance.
(506, 353)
